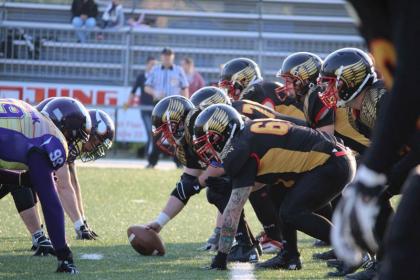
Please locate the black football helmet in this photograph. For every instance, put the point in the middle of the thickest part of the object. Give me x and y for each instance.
(344, 74)
(238, 74)
(214, 129)
(207, 96)
(73, 120)
(168, 118)
(299, 72)
(42, 104)
(101, 136)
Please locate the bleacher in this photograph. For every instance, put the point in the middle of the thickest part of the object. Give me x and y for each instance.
(37, 41)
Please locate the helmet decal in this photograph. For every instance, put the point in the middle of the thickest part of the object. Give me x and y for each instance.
(352, 74)
(305, 70)
(101, 129)
(217, 122)
(174, 112)
(244, 76)
(57, 113)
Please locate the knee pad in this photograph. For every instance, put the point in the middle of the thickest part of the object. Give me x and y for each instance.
(23, 198)
(220, 200)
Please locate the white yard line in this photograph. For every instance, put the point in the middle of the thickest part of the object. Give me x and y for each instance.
(94, 257)
(126, 163)
(242, 271)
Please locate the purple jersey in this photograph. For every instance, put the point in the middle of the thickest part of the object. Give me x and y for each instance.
(23, 128)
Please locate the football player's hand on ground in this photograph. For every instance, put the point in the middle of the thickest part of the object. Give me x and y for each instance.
(91, 231)
(84, 233)
(153, 226)
(355, 217)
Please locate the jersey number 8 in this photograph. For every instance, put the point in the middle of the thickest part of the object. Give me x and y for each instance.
(275, 127)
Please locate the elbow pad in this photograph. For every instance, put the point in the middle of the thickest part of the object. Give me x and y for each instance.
(186, 187)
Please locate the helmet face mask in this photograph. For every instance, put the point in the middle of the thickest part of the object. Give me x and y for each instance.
(165, 138)
(331, 90)
(205, 148)
(95, 148)
(168, 118)
(233, 89)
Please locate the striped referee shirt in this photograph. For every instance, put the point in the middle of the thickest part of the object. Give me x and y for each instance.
(167, 81)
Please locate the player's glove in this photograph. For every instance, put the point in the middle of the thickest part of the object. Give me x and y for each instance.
(222, 184)
(84, 233)
(42, 245)
(355, 217)
(65, 261)
(88, 227)
(219, 262)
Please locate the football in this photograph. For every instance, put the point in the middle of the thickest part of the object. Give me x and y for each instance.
(145, 241)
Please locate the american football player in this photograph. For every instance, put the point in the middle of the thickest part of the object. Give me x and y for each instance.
(172, 120)
(267, 151)
(41, 143)
(350, 81)
(241, 78)
(100, 140)
(389, 29)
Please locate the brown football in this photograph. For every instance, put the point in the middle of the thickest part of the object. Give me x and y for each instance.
(145, 241)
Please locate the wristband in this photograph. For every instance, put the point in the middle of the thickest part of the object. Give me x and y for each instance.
(162, 219)
(369, 177)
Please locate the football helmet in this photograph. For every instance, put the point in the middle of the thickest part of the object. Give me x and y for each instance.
(207, 96)
(344, 74)
(101, 136)
(299, 72)
(214, 129)
(42, 104)
(72, 119)
(238, 74)
(168, 122)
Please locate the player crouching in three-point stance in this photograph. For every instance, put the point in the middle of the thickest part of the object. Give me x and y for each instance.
(40, 143)
(265, 151)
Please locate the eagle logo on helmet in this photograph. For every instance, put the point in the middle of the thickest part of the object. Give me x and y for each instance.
(245, 76)
(214, 99)
(174, 112)
(352, 74)
(217, 122)
(305, 70)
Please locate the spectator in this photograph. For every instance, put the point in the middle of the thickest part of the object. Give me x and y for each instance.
(140, 21)
(84, 16)
(195, 79)
(165, 80)
(113, 16)
(145, 99)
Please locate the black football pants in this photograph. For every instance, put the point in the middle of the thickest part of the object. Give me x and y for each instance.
(313, 191)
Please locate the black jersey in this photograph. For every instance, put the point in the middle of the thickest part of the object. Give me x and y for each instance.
(265, 94)
(273, 151)
(254, 110)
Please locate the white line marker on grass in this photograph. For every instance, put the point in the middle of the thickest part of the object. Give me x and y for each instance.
(95, 257)
(242, 271)
(139, 201)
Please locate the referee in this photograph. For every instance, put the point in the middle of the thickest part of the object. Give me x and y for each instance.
(164, 80)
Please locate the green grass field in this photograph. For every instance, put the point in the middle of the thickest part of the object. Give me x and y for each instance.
(115, 199)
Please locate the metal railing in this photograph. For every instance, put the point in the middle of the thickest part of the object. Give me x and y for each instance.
(51, 52)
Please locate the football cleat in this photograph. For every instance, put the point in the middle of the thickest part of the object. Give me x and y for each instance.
(212, 243)
(42, 245)
(328, 255)
(282, 260)
(343, 269)
(243, 253)
(268, 245)
(67, 266)
(370, 272)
